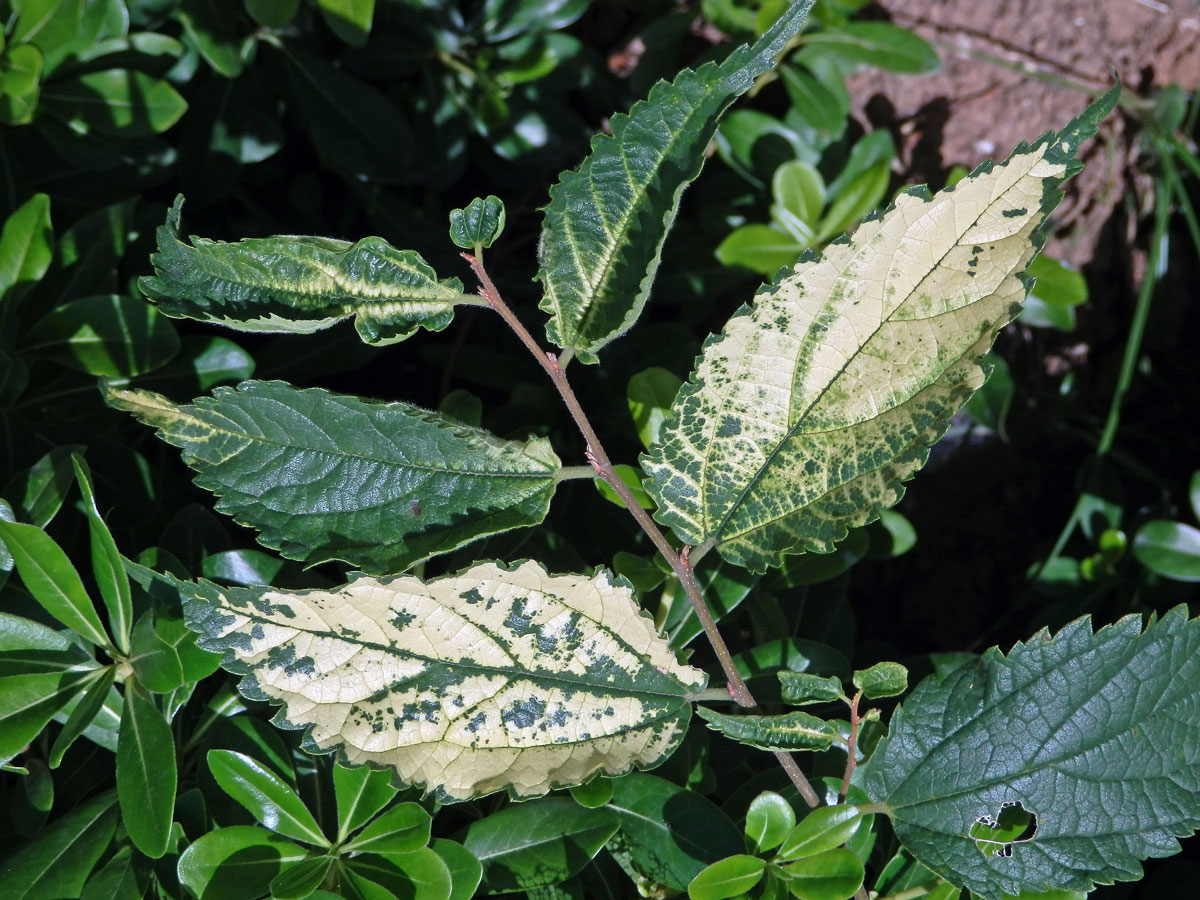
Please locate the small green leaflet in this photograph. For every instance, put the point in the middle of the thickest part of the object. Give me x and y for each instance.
(804, 416)
(299, 284)
(492, 679)
(325, 476)
(1096, 734)
(789, 731)
(606, 222)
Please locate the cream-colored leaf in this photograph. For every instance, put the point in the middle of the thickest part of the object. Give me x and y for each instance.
(804, 416)
(491, 679)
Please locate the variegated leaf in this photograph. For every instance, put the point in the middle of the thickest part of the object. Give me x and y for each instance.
(804, 416)
(491, 679)
(299, 284)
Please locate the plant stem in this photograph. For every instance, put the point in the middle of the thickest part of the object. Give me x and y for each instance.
(851, 746)
(604, 468)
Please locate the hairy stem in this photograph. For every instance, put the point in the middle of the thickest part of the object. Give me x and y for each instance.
(851, 746)
(604, 468)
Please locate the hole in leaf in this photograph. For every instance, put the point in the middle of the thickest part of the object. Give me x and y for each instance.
(996, 836)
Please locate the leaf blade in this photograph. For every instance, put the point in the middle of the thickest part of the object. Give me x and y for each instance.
(279, 458)
(146, 773)
(473, 707)
(601, 246)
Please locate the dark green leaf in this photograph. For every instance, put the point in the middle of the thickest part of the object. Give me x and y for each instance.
(123, 877)
(201, 364)
(724, 586)
(669, 832)
(348, 19)
(879, 44)
(465, 870)
(893, 535)
(632, 477)
(119, 102)
(593, 794)
(504, 19)
(1171, 549)
(26, 247)
(105, 335)
(211, 27)
(832, 875)
(241, 567)
(420, 875)
(85, 711)
(821, 107)
(990, 404)
(155, 662)
(802, 688)
(479, 225)
(402, 829)
(59, 859)
(22, 70)
(1117, 708)
(769, 820)
(146, 773)
(1055, 284)
(427, 483)
(52, 580)
(789, 731)
(606, 221)
(884, 679)
(300, 880)
(729, 877)
(649, 394)
(361, 793)
(821, 830)
(298, 284)
(39, 491)
(268, 798)
(236, 863)
(272, 13)
(106, 563)
(540, 842)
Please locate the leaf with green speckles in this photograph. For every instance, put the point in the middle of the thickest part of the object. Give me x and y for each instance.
(298, 284)
(325, 476)
(803, 418)
(492, 679)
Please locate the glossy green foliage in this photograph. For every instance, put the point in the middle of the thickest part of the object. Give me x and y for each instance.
(277, 457)
(298, 284)
(479, 224)
(606, 222)
(1116, 734)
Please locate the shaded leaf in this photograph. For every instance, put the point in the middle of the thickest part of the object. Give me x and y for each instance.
(465, 870)
(146, 773)
(821, 830)
(39, 491)
(277, 457)
(420, 874)
(26, 247)
(1171, 549)
(235, 863)
(1118, 733)
(105, 335)
(487, 680)
(402, 829)
(107, 567)
(59, 859)
(118, 102)
(348, 19)
(298, 284)
(29, 702)
(606, 222)
(879, 44)
(212, 28)
(804, 416)
(82, 716)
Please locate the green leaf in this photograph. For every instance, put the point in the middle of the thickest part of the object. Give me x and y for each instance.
(146, 773)
(802, 688)
(1055, 284)
(124, 877)
(118, 102)
(107, 567)
(324, 476)
(537, 843)
(879, 44)
(789, 731)
(272, 13)
(211, 27)
(300, 880)
(350, 20)
(241, 566)
(298, 284)
(155, 662)
(821, 830)
(22, 70)
(832, 875)
(632, 477)
(860, 196)
(1171, 549)
(402, 829)
(82, 715)
(670, 833)
(29, 702)
(824, 109)
(479, 225)
(729, 877)
(40, 490)
(593, 794)
(235, 863)
(52, 580)
(26, 247)
(265, 795)
(420, 875)
(649, 395)
(804, 416)
(763, 248)
(799, 189)
(104, 335)
(361, 793)
(884, 679)
(606, 222)
(507, 678)
(54, 26)
(465, 870)
(1116, 733)
(769, 820)
(990, 404)
(59, 859)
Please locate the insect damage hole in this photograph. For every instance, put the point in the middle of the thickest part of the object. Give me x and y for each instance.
(996, 836)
